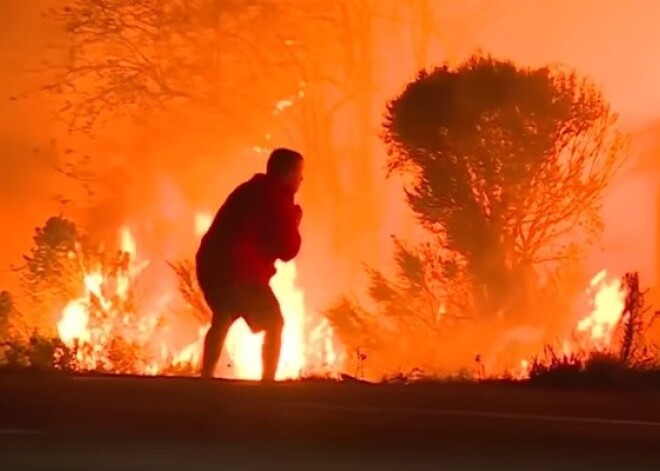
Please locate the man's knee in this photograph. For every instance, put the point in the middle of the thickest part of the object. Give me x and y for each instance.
(221, 320)
(265, 320)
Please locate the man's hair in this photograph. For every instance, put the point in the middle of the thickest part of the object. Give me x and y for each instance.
(282, 161)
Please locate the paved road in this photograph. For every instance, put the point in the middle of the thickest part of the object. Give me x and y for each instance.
(162, 423)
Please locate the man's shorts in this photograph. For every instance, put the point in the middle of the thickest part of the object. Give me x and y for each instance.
(256, 304)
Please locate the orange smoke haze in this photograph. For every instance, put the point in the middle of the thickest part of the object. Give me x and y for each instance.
(160, 174)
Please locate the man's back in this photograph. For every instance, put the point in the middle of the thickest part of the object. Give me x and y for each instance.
(249, 233)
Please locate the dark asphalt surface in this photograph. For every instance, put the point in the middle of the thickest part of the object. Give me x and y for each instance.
(175, 423)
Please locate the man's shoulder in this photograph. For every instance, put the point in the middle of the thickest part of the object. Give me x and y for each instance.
(249, 186)
(262, 191)
(249, 183)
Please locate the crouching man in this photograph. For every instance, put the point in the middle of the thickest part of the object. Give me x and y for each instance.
(257, 225)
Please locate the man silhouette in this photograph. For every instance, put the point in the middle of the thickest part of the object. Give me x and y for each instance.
(257, 224)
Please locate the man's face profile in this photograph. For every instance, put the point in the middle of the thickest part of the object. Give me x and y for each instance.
(295, 177)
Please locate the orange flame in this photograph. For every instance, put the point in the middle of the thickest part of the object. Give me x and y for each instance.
(608, 301)
(594, 332)
(308, 344)
(305, 348)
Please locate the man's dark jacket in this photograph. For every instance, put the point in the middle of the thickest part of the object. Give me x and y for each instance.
(257, 224)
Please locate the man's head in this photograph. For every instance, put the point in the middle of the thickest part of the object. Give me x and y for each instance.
(286, 165)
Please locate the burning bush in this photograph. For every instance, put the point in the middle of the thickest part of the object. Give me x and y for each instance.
(189, 289)
(37, 353)
(593, 369)
(619, 353)
(419, 298)
(106, 324)
(103, 327)
(99, 328)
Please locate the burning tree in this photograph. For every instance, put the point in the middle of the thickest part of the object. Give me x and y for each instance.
(131, 57)
(506, 168)
(509, 167)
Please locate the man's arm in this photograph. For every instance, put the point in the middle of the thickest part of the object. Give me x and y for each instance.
(284, 235)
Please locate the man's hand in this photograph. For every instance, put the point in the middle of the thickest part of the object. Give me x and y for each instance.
(298, 212)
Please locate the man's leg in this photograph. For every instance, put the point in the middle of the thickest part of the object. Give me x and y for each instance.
(214, 341)
(270, 353)
(263, 314)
